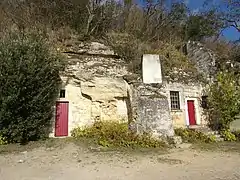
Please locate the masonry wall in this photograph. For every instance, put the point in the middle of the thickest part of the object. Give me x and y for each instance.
(150, 110)
(186, 92)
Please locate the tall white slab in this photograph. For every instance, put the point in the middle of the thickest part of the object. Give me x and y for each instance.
(151, 69)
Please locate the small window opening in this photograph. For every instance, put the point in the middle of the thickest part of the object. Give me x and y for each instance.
(204, 102)
(168, 55)
(185, 50)
(175, 101)
(62, 93)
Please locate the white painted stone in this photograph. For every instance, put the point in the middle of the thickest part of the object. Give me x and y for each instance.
(122, 109)
(151, 69)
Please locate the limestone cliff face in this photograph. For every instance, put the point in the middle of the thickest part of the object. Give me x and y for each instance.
(204, 59)
(94, 85)
(99, 87)
(89, 60)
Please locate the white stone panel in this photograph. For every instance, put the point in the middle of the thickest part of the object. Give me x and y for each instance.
(151, 69)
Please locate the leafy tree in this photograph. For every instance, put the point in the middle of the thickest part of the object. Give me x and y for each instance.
(29, 85)
(224, 100)
(232, 14)
(228, 12)
(202, 26)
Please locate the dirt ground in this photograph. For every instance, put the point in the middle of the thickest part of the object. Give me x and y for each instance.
(76, 163)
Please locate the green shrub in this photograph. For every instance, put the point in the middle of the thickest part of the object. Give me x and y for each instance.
(29, 85)
(228, 135)
(237, 134)
(3, 140)
(110, 133)
(224, 101)
(192, 136)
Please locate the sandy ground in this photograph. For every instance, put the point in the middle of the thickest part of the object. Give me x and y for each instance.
(75, 163)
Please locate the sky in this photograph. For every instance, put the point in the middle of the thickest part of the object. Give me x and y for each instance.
(195, 6)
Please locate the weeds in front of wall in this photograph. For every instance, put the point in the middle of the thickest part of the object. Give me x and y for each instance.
(193, 136)
(115, 134)
(3, 140)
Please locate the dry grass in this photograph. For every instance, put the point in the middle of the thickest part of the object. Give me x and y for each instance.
(219, 147)
(49, 143)
(92, 147)
(87, 144)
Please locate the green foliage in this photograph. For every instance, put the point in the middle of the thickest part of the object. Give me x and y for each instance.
(114, 134)
(229, 15)
(201, 26)
(3, 140)
(29, 85)
(228, 135)
(131, 49)
(192, 136)
(172, 59)
(224, 101)
(128, 48)
(155, 21)
(237, 134)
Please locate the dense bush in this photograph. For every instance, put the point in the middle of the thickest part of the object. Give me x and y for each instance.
(110, 133)
(224, 101)
(228, 135)
(2, 140)
(190, 135)
(237, 135)
(29, 84)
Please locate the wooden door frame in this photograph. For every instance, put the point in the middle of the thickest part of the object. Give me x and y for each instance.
(197, 111)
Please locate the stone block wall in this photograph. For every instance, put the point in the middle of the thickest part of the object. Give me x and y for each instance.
(186, 92)
(150, 111)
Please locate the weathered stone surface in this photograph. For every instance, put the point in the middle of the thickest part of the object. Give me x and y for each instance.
(106, 101)
(97, 88)
(204, 59)
(154, 116)
(94, 85)
(100, 89)
(150, 111)
(235, 125)
(89, 60)
(177, 140)
(191, 91)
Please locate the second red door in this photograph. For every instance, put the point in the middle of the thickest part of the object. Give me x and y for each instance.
(191, 112)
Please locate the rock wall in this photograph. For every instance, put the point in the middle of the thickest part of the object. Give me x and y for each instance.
(150, 110)
(204, 59)
(89, 60)
(94, 85)
(99, 87)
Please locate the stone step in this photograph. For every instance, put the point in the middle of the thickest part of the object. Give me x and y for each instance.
(218, 136)
(220, 139)
(204, 130)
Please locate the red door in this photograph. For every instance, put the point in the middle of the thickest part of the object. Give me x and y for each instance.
(191, 112)
(61, 121)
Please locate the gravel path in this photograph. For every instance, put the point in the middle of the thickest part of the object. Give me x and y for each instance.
(73, 163)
